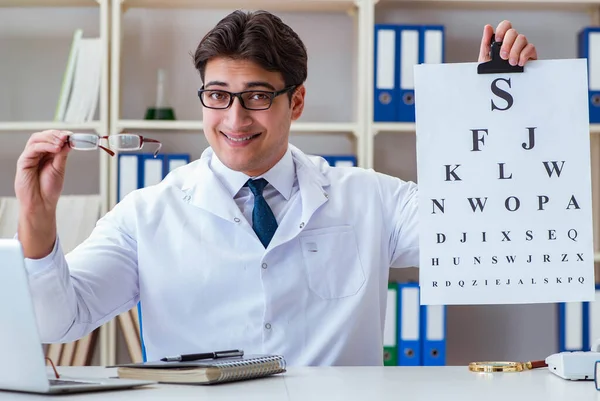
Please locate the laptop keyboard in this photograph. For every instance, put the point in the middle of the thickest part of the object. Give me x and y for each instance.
(59, 382)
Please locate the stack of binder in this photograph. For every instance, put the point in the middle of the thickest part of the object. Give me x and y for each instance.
(398, 48)
(589, 48)
(340, 160)
(414, 334)
(141, 170)
(578, 324)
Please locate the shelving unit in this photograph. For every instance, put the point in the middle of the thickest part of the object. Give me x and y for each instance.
(49, 3)
(285, 5)
(356, 8)
(408, 128)
(196, 126)
(359, 10)
(120, 6)
(33, 126)
(544, 22)
(99, 126)
(575, 5)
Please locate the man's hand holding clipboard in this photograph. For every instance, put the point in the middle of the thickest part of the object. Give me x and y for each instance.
(515, 47)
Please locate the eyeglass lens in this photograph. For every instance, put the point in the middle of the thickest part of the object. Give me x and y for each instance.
(83, 141)
(115, 142)
(124, 142)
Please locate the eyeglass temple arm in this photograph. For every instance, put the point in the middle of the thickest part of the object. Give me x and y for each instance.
(53, 368)
(107, 150)
(143, 139)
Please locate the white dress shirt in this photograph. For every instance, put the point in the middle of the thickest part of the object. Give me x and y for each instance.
(283, 185)
(186, 250)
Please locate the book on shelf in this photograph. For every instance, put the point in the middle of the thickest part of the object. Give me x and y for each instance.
(206, 371)
(67, 83)
(78, 98)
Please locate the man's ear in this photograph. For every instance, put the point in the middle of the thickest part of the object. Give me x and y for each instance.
(297, 102)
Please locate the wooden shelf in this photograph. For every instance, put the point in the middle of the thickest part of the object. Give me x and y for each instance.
(330, 128)
(191, 125)
(271, 5)
(35, 126)
(408, 128)
(576, 5)
(178, 125)
(48, 3)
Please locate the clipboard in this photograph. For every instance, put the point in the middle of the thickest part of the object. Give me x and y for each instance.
(497, 65)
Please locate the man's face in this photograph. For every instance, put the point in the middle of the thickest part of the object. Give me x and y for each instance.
(250, 141)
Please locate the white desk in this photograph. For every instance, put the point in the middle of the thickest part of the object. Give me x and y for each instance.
(353, 383)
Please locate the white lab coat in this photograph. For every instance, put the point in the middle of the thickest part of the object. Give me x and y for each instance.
(316, 295)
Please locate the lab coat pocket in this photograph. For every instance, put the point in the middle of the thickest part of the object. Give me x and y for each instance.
(332, 262)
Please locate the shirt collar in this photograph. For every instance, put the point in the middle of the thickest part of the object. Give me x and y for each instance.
(281, 176)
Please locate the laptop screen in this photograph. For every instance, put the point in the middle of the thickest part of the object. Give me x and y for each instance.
(23, 366)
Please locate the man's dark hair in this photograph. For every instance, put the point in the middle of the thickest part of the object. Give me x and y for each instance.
(257, 36)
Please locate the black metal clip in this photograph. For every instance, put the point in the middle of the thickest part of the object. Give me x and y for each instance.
(497, 65)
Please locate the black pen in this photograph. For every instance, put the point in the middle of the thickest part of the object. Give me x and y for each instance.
(206, 355)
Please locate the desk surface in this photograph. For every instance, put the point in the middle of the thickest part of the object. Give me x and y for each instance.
(352, 383)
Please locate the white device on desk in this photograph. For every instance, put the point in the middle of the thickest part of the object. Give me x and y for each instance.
(23, 365)
(576, 365)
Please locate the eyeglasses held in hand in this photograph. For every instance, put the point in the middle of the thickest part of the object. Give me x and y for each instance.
(120, 142)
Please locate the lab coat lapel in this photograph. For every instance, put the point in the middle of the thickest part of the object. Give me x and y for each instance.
(204, 190)
(312, 190)
(312, 185)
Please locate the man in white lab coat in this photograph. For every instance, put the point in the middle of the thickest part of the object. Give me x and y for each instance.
(254, 246)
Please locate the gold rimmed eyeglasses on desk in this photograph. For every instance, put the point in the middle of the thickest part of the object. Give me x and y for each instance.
(501, 366)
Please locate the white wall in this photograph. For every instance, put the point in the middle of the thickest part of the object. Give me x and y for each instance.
(33, 48)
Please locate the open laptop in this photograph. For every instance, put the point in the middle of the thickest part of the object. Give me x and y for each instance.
(23, 365)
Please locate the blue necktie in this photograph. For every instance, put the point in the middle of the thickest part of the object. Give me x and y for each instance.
(263, 220)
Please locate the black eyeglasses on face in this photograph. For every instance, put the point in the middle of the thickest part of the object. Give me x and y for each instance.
(250, 100)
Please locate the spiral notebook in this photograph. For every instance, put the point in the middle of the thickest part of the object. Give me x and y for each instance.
(207, 371)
